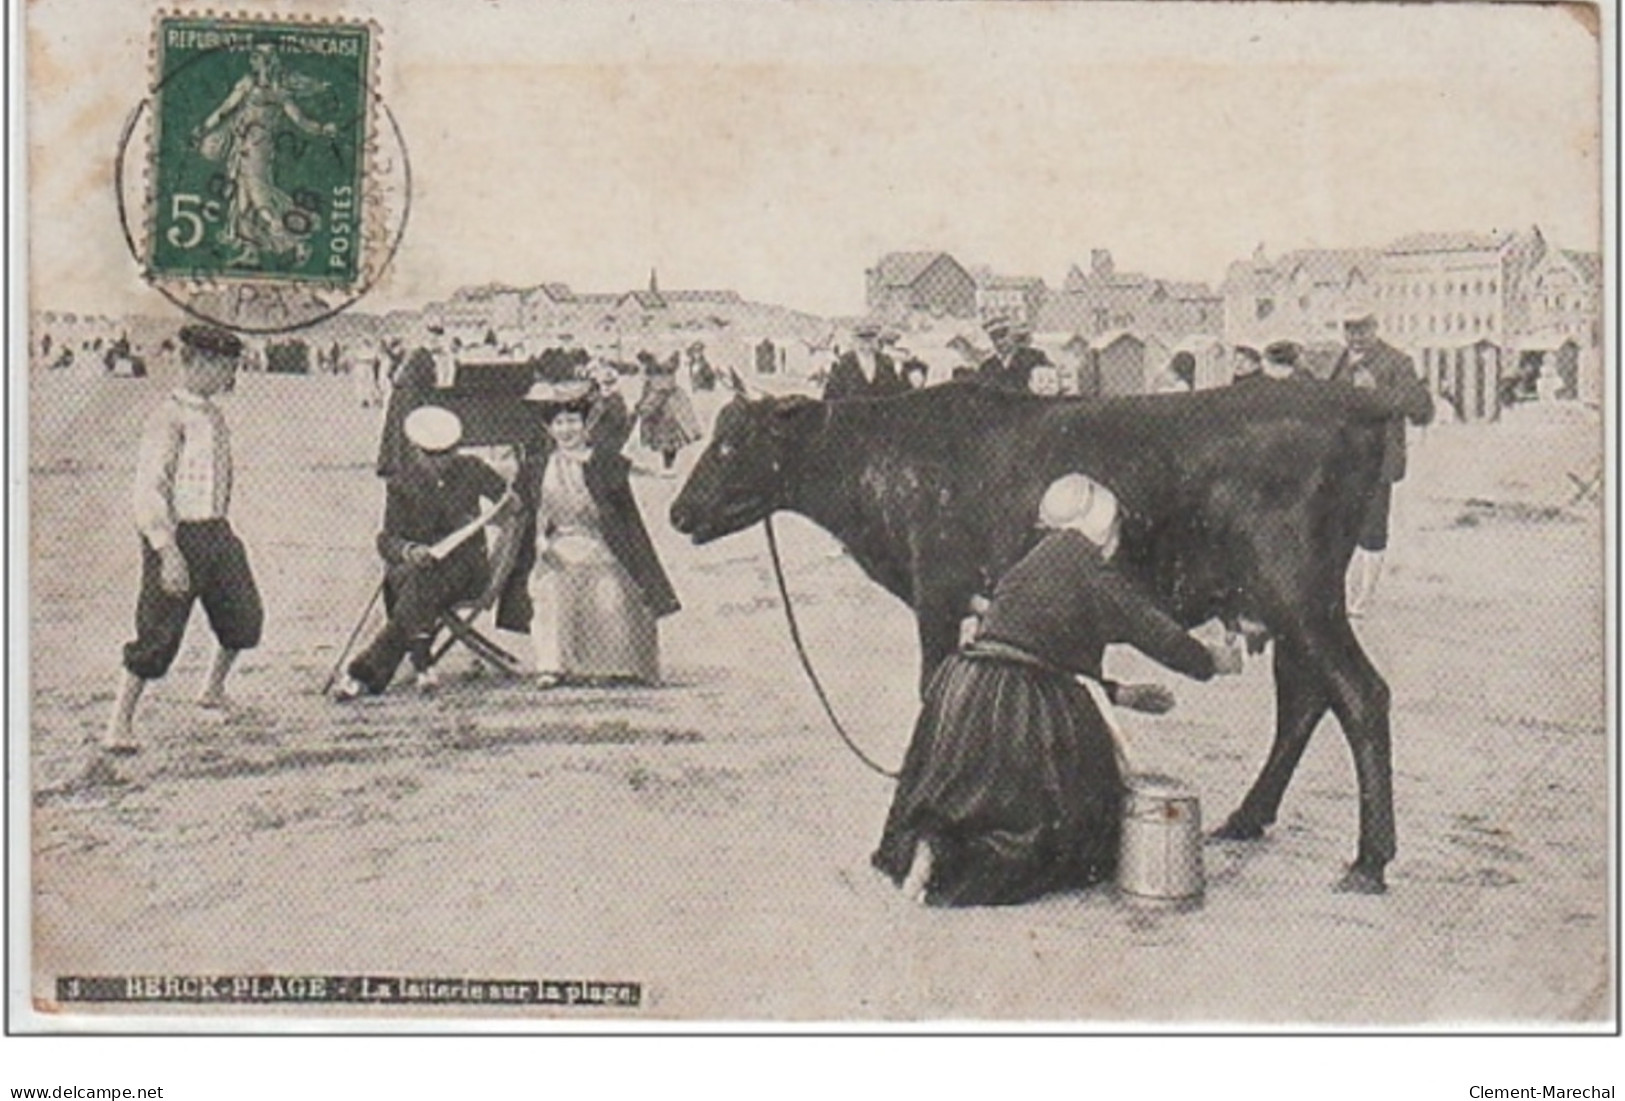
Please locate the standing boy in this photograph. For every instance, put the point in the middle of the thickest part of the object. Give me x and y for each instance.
(188, 550)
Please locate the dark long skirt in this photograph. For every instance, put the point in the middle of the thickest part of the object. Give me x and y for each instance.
(1012, 778)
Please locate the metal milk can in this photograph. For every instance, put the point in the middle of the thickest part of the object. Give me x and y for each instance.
(1160, 862)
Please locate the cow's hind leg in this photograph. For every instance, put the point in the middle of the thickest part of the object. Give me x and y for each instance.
(1300, 703)
(1360, 699)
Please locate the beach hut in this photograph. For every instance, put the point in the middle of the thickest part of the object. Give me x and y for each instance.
(766, 355)
(1471, 378)
(1213, 366)
(289, 358)
(1127, 363)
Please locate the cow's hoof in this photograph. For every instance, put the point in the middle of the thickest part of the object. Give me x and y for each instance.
(1360, 881)
(1237, 828)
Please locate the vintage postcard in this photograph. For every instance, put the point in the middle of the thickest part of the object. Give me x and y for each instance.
(641, 516)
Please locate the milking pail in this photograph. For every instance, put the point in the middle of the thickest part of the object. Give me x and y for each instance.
(1160, 862)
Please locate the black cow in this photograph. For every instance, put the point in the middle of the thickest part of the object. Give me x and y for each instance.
(1236, 502)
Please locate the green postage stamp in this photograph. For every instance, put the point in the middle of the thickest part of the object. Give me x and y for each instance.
(259, 149)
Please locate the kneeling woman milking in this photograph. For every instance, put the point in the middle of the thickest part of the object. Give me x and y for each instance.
(1011, 787)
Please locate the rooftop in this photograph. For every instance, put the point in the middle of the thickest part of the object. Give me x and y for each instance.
(1449, 242)
(1588, 264)
(903, 269)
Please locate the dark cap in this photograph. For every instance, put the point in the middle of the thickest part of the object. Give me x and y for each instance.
(1284, 352)
(212, 340)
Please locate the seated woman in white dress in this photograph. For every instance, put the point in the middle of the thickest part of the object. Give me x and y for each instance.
(588, 543)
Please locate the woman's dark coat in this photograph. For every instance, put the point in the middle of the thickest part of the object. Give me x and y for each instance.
(608, 477)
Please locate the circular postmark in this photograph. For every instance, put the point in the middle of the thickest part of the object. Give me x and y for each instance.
(276, 186)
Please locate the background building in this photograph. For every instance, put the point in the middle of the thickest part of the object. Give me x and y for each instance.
(1454, 288)
(1487, 316)
(934, 284)
(1104, 300)
(1299, 295)
(1017, 297)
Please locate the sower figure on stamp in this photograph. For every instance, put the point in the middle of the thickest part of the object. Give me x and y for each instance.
(243, 131)
(437, 494)
(1371, 364)
(188, 550)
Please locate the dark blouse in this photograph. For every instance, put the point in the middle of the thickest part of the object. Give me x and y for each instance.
(1064, 603)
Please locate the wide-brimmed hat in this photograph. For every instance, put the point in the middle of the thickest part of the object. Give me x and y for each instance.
(866, 330)
(1359, 317)
(996, 325)
(433, 429)
(568, 392)
(1079, 503)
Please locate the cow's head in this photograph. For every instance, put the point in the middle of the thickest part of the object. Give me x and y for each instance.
(742, 476)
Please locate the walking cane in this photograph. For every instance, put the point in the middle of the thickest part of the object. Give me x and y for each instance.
(344, 653)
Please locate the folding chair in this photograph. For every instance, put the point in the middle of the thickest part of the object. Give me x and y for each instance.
(458, 621)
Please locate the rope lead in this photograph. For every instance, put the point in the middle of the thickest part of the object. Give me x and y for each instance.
(801, 652)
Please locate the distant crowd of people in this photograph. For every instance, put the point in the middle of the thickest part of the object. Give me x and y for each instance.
(879, 366)
(114, 355)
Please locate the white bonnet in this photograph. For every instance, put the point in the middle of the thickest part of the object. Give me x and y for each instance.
(1079, 503)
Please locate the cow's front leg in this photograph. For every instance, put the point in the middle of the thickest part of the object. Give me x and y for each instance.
(1300, 703)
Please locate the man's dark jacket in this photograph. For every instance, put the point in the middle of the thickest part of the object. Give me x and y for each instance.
(1015, 374)
(422, 509)
(1392, 374)
(846, 379)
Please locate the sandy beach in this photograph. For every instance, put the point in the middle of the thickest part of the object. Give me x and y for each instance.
(709, 839)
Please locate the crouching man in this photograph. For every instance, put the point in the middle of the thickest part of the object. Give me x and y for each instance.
(435, 495)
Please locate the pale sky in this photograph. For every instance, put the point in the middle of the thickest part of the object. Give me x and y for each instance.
(777, 148)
